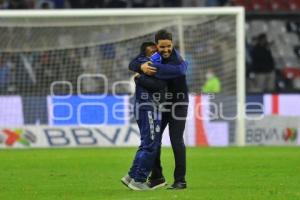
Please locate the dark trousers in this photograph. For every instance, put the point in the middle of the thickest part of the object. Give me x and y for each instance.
(176, 129)
(149, 123)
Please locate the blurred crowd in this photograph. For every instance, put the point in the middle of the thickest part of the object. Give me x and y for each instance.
(57, 71)
(250, 5)
(60, 4)
(272, 64)
(272, 55)
(33, 73)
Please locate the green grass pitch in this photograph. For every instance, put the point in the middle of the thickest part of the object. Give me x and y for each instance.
(212, 173)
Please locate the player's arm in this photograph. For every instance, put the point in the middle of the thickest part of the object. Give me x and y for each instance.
(135, 64)
(168, 71)
(150, 83)
(176, 67)
(141, 65)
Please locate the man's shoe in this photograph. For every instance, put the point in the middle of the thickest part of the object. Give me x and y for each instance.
(126, 180)
(157, 183)
(178, 186)
(134, 185)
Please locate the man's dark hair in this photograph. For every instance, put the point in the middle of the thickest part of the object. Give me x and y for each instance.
(163, 35)
(145, 45)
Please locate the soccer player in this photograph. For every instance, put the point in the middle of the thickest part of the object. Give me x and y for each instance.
(148, 118)
(148, 53)
(177, 100)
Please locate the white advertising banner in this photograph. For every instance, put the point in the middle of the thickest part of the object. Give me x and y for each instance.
(11, 111)
(68, 136)
(273, 130)
(73, 136)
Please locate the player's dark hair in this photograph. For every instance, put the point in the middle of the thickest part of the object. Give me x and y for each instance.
(163, 35)
(145, 45)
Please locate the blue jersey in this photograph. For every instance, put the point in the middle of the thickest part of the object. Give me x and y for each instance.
(149, 89)
(172, 67)
(171, 70)
(175, 69)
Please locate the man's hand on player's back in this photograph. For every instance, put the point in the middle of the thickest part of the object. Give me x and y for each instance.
(147, 69)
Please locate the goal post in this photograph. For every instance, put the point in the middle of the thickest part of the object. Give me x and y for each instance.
(241, 78)
(61, 45)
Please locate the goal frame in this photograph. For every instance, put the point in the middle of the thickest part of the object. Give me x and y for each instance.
(239, 12)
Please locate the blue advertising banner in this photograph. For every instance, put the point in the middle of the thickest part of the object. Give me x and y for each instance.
(76, 110)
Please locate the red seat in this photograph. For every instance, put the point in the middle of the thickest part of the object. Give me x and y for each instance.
(269, 5)
(245, 3)
(260, 5)
(279, 5)
(294, 5)
(291, 72)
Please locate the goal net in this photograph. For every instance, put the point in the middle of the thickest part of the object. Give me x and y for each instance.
(85, 53)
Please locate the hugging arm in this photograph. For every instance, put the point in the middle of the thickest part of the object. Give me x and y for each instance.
(168, 71)
(135, 64)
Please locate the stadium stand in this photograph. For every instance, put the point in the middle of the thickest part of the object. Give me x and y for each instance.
(283, 33)
(268, 5)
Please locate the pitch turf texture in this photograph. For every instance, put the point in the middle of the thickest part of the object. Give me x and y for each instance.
(212, 173)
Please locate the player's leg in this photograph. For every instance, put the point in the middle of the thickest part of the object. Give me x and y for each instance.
(176, 130)
(150, 132)
(156, 178)
(128, 177)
